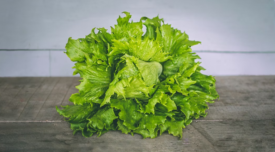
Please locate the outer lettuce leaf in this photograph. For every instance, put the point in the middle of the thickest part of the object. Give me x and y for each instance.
(95, 82)
(77, 113)
(179, 64)
(126, 30)
(122, 127)
(103, 118)
(94, 73)
(128, 113)
(161, 97)
(152, 25)
(173, 127)
(172, 39)
(119, 48)
(145, 83)
(150, 123)
(136, 122)
(76, 49)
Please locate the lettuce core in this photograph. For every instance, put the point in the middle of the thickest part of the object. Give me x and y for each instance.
(135, 82)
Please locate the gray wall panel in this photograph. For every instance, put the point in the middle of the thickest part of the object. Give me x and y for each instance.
(24, 63)
(234, 25)
(221, 25)
(238, 64)
(60, 64)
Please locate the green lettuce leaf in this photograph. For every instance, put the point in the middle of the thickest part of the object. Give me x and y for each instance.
(128, 113)
(137, 82)
(103, 118)
(173, 127)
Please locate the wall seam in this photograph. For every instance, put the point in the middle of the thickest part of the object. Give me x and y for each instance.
(196, 51)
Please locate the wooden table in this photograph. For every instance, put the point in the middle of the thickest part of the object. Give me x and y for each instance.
(243, 119)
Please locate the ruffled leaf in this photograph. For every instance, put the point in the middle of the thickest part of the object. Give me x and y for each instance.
(135, 82)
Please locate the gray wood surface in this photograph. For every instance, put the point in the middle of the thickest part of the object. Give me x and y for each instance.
(243, 119)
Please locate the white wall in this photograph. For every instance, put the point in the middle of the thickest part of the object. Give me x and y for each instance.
(221, 25)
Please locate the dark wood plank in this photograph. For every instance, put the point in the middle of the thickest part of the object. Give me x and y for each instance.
(3, 84)
(11, 86)
(11, 90)
(65, 100)
(37, 100)
(244, 98)
(248, 83)
(13, 109)
(71, 91)
(55, 98)
(235, 135)
(199, 136)
(245, 90)
(262, 112)
(58, 137)
(243, 119)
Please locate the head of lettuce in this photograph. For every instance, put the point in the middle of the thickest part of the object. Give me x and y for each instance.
(144, 83)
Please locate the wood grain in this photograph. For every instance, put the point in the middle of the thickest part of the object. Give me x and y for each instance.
(243, 119)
